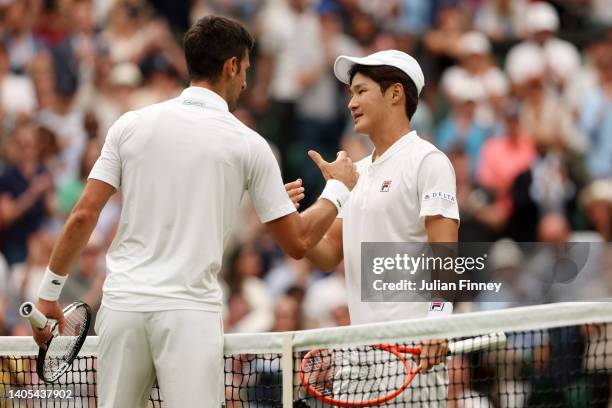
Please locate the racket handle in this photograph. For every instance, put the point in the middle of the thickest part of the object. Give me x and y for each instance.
(35, 316)
(487, 341)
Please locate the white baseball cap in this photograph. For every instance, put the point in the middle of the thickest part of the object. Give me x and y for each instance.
(541, 16)
(393, 58)
(474, 42)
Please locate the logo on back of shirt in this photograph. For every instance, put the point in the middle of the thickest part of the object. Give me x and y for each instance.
(386, 185)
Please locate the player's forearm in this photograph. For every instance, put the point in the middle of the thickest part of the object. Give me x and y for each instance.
(315, 222)
(325, 256)
(72, 240)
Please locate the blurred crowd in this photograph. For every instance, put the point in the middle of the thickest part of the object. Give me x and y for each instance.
(518, 94)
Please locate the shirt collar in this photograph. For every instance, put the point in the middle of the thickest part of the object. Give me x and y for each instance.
(204, 96)
(395, 147)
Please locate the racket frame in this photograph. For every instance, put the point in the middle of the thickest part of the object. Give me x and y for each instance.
(39, 320)
(488, 341)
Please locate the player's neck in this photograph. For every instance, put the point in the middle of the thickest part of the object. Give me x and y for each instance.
(387, 134)
(217, 88)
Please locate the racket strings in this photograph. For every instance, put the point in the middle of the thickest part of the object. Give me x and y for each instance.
(62, 348)
(354, 374)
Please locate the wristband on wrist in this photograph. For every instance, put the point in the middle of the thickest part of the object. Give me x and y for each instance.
(439, 308)
(51, 286)
(336, 192)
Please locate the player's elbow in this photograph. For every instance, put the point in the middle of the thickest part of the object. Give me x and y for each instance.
(297, 249)
(83, 216)
(327, 266)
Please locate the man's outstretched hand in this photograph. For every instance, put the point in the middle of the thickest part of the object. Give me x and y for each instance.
(342, 169)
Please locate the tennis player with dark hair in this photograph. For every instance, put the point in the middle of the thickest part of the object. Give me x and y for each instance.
(406, 193)
(183, 167)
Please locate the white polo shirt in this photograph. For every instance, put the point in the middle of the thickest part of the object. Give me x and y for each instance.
(410, 181)
(182, 166)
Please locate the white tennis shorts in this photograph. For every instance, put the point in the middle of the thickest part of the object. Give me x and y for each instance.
(182, 348)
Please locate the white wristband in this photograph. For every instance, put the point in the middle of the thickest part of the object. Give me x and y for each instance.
(336, 192)
(51, 286)
(439, 308)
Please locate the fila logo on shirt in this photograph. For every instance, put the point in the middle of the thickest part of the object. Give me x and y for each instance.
(444, 196)
(436, 306)
(386, 185)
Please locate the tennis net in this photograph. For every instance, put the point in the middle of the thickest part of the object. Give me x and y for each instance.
(557, 355)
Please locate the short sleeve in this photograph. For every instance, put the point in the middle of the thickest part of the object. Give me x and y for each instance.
(437, 188)
(265, 185)
(108, 166)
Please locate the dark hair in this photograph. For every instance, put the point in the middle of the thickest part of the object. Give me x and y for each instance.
(212, 41)
(385, 76)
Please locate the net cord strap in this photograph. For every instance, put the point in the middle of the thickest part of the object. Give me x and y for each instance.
(287, 369)
(459, 325)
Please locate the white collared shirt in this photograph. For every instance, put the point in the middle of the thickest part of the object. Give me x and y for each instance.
(182, 166)
(410, 181)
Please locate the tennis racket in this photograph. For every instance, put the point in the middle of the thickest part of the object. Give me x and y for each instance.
(63, 347)
(372, 375)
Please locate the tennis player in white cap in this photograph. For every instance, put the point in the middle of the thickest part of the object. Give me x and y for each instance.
(406, 192)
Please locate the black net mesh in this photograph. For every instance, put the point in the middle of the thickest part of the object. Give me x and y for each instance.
(566, 367)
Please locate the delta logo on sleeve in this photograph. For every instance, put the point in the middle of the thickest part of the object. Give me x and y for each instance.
(386, 185)
(440, 195)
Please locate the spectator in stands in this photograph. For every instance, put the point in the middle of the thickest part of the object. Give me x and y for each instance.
(548, 119)
(69, 190)
(116, 91)
(477, 71)
(503, 158)
(26, 193)
(460, 130)
(17, 23)
(162, 82)
(501, 20)
(505, 265)
(415, 16)
(545, 187)
(287, 314)
(250, 306)
(480, 221)
(320, 120)
(64, 118)
(368, 33)
(596, 120)
(74, 57)
(562, 59)
(16, 91)
(597, 52)
(596, 199)
(442, 42)
(27, 276)
(288, 29)
(323, 298)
